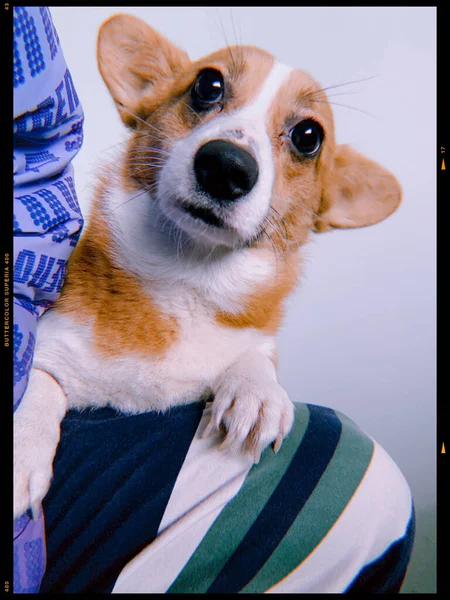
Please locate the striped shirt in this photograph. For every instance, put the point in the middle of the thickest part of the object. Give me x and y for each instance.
(143, 504)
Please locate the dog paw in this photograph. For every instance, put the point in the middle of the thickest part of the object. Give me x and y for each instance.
(34, 450)
(250, 414)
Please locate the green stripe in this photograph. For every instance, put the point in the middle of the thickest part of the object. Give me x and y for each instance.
(329, 499)
(238, 516)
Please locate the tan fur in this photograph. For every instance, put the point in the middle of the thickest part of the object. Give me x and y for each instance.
(308, 195)
(164, 113)
(125, 319)
(296, 202)
(150, 79)
(130, 56)
(264, 309)
(360, 192)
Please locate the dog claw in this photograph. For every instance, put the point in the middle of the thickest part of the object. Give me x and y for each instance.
(257, 455)
(228, 442)
(35, 510)
(277, 444)
(208, 430)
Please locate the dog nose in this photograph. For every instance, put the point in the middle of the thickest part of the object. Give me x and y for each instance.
(224, 170)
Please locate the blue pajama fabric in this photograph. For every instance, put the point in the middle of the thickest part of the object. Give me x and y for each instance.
(48, 132)
(113, 476)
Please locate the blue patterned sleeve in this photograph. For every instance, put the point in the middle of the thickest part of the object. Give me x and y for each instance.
(48, 132)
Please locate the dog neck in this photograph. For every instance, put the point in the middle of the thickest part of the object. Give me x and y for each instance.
(126, 226)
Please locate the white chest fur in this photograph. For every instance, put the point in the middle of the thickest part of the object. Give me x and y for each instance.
(148, 245)
(189, 290)
(132, 382)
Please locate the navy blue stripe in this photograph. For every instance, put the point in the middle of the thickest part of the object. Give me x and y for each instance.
(113, 476)
(301, 477)
(386, 574)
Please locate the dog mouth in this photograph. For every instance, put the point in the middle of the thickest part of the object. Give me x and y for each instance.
(202, 223)
(203, 214)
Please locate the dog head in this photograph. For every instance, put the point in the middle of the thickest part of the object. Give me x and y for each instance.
(236, 149)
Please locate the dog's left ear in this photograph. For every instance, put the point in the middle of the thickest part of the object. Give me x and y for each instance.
(357, 192)
(132, 58)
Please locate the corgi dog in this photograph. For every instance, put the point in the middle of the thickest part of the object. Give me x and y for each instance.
(175, 291)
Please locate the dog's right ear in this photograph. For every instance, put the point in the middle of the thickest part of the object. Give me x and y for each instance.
(133, 57)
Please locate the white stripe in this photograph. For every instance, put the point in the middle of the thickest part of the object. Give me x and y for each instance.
(274, 80)
(377, 516)
(208, 480)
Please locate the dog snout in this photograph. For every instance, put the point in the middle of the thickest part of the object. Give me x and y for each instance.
(225, 171)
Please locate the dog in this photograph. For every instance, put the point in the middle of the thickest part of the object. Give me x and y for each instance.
(175, 291)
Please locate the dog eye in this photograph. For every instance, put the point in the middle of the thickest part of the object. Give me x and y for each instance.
(307, 137)
(208, 88)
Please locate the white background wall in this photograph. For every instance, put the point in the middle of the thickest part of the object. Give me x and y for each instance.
(360, 332)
